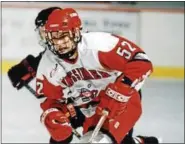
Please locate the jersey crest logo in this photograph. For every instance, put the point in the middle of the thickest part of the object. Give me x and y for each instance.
(83, 74)
(87, 95)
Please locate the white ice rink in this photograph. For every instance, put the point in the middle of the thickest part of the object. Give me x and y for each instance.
(163, 113)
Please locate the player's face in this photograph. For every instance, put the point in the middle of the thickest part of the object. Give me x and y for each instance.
(62, 41)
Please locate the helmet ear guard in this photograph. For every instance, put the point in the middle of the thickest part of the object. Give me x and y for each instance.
(77, 35)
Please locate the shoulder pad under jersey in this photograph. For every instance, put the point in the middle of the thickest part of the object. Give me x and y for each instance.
(100, 41)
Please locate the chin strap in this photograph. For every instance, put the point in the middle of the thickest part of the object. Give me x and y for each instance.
(67, 55)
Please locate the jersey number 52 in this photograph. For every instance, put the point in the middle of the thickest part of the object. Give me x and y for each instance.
(122, 51)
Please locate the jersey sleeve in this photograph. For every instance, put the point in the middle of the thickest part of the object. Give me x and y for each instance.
(46, 83)
(48, 89)
(128, 58)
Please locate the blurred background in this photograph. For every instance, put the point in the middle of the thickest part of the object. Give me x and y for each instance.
(157, 27)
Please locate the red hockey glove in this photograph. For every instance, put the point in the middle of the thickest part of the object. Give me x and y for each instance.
(57, 123)
(114, 99)
(56, 118)
(67, 109)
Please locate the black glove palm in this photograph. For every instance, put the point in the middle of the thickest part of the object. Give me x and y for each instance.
(24, 71)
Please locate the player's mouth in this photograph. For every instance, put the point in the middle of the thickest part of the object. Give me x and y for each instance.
(63, 50)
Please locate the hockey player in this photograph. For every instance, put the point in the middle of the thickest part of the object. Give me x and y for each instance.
(95, 72)
(25, 71)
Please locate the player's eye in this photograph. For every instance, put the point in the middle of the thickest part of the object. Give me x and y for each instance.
(62, 35)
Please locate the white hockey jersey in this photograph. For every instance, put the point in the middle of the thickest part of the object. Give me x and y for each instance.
(82, 81)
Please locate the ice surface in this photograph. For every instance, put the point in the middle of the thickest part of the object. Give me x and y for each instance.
(163, 113)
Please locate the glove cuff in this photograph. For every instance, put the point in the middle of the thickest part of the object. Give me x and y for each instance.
(45, 113)
(119, 92)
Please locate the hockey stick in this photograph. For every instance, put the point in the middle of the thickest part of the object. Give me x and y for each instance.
(42, 96)
(28, 87)
(76, 133)
(99, 125)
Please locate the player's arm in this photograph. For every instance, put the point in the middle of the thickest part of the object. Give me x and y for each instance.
(24, 71)
(48, 89)
(56, 112)
(121, 98)
(129, 59)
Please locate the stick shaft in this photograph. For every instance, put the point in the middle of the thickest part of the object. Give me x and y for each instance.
(28, 87)
(98, 126)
